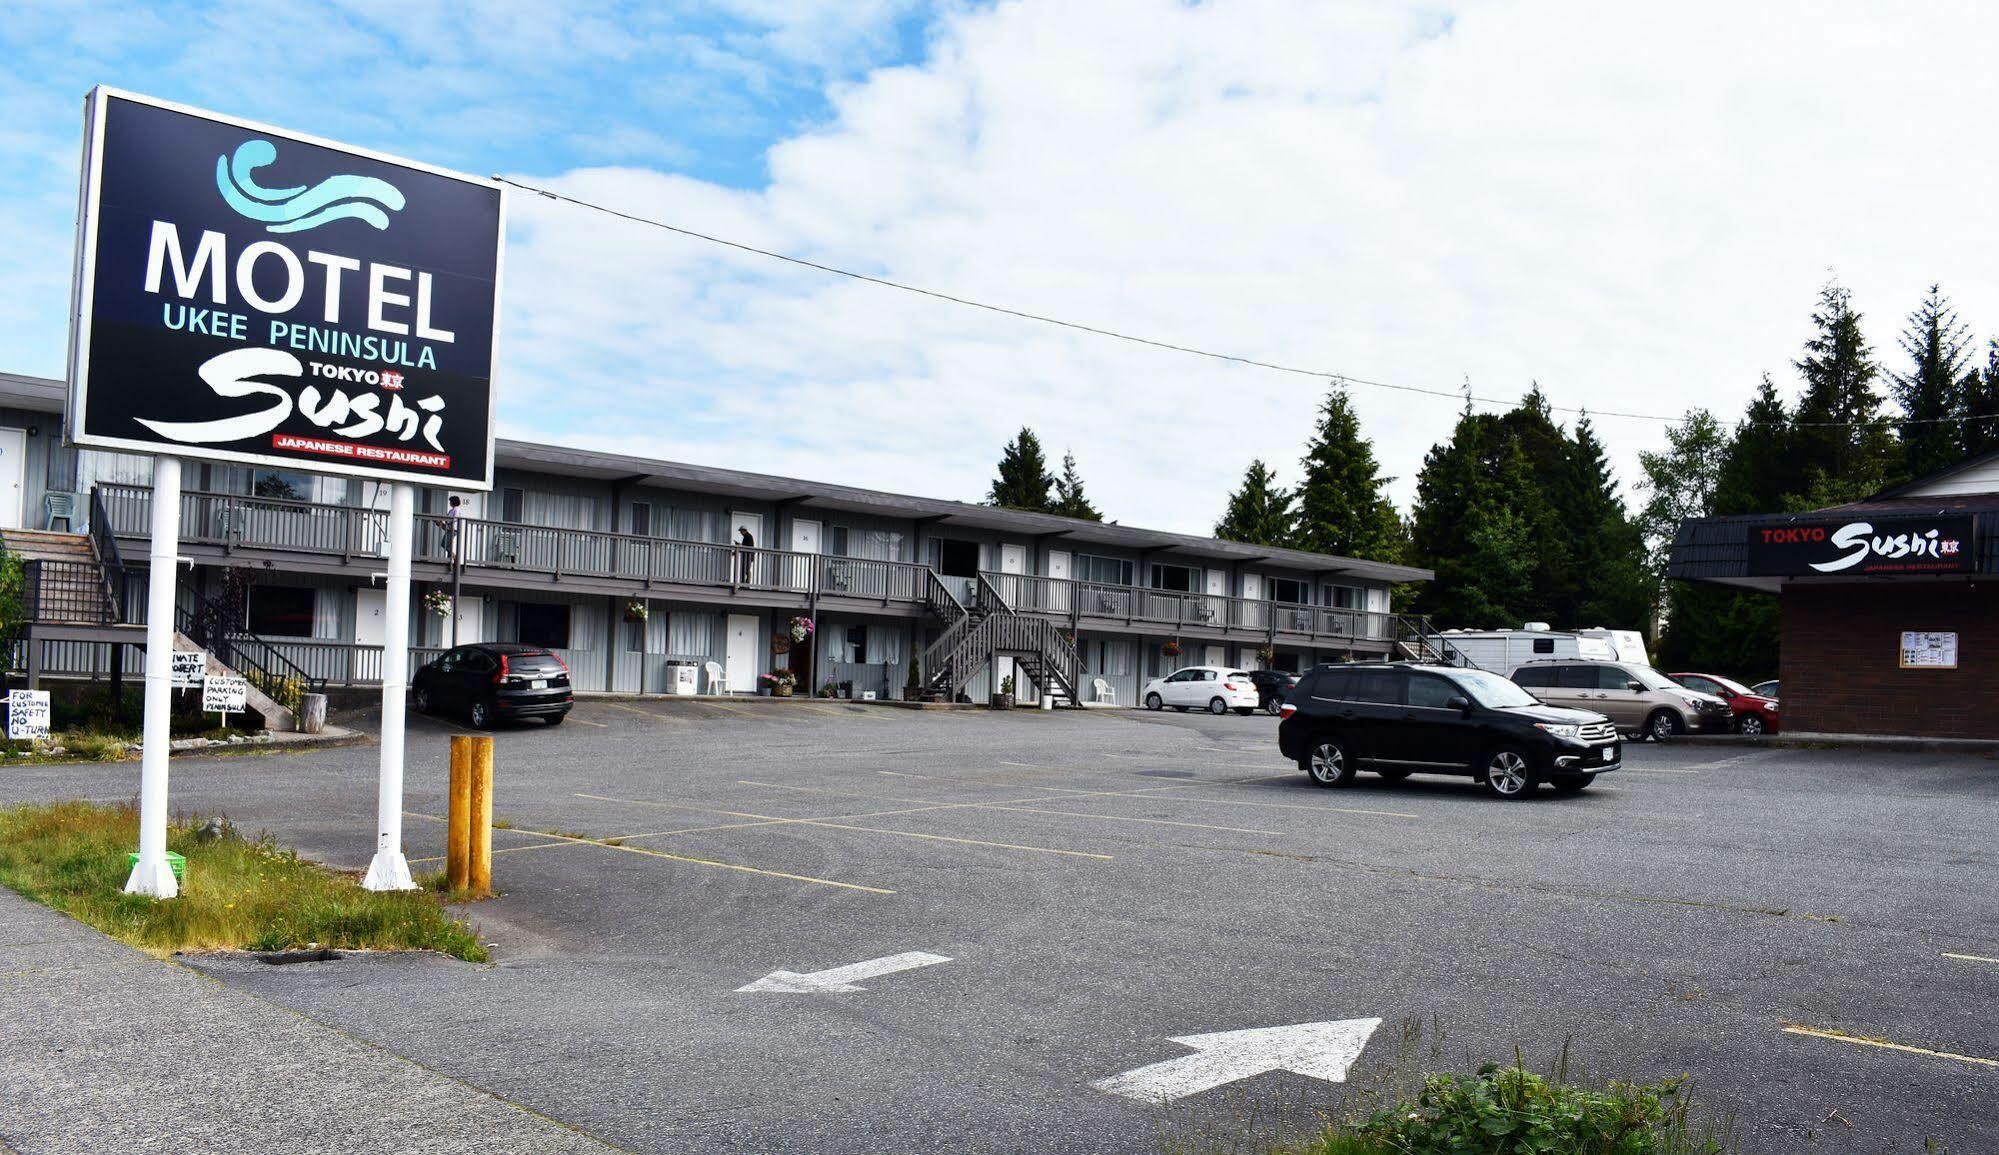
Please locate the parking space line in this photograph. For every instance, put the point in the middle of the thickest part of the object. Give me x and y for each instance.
(1970, 957)
(588, 722)
(564, 838)
(641, 713)
(1015, 807)
(1150, 791)
(831, 824)
(1843, 1037)
(1288, 805)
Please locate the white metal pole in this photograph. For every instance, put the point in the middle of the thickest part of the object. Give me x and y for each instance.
(152, 875)
(390, 870)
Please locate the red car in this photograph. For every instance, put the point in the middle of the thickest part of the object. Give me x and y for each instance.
(1754, 714)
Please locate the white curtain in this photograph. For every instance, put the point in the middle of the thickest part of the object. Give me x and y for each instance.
(326, 613)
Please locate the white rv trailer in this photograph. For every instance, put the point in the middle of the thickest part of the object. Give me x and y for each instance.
(1503, 651)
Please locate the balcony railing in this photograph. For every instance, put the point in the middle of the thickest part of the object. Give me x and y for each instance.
(234, 520)
(1064, 597)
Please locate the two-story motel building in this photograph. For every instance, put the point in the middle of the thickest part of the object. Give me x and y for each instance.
(622, 565)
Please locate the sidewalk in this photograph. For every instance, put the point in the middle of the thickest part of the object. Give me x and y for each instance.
(106, 1049)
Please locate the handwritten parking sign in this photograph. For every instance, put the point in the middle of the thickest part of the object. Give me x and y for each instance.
(225, 695)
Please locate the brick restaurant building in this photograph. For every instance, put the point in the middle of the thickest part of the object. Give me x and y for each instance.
(1890, 605)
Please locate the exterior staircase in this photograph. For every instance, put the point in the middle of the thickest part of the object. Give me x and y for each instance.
(1419, 641)
(990, 628)
(73, 584)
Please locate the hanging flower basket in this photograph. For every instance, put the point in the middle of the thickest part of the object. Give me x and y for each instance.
(1171, 649)
(636, 610)
(438, 602)
(1068, 636)
(801, 628)
(1265, 655)
(780, 643)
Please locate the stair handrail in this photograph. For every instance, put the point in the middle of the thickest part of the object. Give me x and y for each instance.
(105, 543)
(207, 623)
(990, 598)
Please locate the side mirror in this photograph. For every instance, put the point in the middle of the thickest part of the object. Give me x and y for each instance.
(1458, 702)
(1634, 684)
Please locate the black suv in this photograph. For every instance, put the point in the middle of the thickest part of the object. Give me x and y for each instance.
(1399, 719)
(494, 680)
(1272, 687)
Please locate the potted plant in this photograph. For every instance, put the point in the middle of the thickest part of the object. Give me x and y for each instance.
(779, 683)
(636, 610)
(912, 687)
(1266, 655)
(830, 690)
(1003, 697)
(438, 602)
(1068, 637)
(801, 628)
(1171, 649)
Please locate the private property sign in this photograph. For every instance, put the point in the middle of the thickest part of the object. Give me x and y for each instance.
(1877, 546)
(252, 295)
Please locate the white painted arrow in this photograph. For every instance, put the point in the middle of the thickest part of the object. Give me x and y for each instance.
(1317, 1050)
(842, 979)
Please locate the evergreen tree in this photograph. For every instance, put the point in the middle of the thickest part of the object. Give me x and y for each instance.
(1069, 499)
(1551, 507)
(1761, 469)
(1979, 432)
(1465, 529)
(1341, 509)
(1614, 581)
(1023, 481)
(1938, 386)
(1259, 512)
(1846, 450)
(1680, 482)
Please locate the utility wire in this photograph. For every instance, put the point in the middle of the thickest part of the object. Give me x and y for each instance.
(1318, 374)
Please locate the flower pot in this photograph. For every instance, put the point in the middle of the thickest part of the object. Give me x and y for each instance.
(1002, 701)
(782, 691)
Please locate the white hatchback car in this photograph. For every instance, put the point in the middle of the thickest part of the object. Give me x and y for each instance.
(1216, 689)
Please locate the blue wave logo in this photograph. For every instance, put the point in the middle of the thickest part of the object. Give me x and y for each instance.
(294, 210)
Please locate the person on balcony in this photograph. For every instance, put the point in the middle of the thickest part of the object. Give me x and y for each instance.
(749, 542)
(451, 523)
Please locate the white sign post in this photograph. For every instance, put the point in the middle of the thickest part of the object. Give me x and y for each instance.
(152, 875)
(27, 714)
(190, 669)
(389, 870)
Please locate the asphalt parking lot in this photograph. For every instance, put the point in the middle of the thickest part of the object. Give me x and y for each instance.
(1100, 884)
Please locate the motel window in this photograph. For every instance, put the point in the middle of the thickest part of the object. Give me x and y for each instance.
(635, 637)
(1173, 577)
(280, 611)
(282, 484)
(641, 519)
(957, 558)
(840, 541)
(1110, 571)
(857, 643)
(543, 624)
(1287, 590)
(512, 502)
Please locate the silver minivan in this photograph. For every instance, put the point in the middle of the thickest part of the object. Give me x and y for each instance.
(1639, 699)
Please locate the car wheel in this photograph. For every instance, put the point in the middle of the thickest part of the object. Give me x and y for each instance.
(421, 700)
(1217, 706)
(1393, 773)
(556, 719)
(1663, 724)
(1508, 773)
(481, 716)
(1750, 724)
(1573, 783)
(1272, 706)
(1327, 764)
(1153, 702)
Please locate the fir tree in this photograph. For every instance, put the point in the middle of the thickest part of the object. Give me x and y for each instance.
(1846, 450)
(1259, 512)
(1069, 499)
(1023, 481)
(1341, 509)
(1761, 469)
(1979, 432)
(1938, 386)
(1465, 529)
(1614, 581)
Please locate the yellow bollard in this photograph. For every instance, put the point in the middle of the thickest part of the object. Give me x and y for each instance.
(481, 881)
(458, 831)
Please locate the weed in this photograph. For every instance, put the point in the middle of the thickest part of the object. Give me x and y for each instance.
(239, 893)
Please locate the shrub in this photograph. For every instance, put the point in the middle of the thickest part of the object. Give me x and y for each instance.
(288, 692)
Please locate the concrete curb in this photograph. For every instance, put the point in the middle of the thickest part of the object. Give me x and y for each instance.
(1893, 743)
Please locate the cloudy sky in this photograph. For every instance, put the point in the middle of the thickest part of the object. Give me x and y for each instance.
(1634, 208)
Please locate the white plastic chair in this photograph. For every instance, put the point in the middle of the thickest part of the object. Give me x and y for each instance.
(1104, 691)
(718, 678)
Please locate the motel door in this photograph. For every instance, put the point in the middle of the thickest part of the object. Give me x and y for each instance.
(804, 539)
(13, 477)
(742, 653)
(1013, 560)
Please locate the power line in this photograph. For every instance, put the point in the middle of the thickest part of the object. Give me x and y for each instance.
(1464, 394)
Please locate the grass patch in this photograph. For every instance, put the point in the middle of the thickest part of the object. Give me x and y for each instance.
(240, 893)
(1389, 1106)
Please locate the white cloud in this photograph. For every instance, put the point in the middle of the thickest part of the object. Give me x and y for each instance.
(1634, 209)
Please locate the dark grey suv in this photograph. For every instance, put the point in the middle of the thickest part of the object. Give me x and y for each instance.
(1398, 719)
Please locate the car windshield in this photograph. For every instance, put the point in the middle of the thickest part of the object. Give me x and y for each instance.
(1730, 686)
(1651, 679)
(1492, 691)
